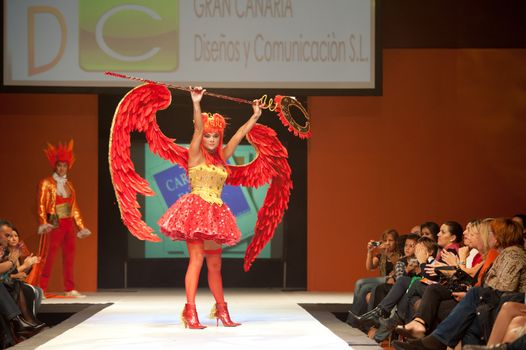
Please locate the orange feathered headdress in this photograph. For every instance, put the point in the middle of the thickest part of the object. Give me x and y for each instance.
(213, 122)
(61, 153)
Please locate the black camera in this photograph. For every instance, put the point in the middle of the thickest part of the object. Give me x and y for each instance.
(376, 243)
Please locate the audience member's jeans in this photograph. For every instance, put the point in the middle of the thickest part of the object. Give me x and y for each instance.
(463, 317)
(395, 294)
(361, 288)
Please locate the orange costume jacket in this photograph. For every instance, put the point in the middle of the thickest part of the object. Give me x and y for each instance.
(47, 197)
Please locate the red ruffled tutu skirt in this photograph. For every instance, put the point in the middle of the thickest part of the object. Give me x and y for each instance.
(193, 218)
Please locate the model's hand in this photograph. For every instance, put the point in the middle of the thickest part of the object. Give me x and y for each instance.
(197, 93)
(256, 108)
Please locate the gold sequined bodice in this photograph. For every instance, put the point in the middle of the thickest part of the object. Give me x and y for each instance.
(207, 182)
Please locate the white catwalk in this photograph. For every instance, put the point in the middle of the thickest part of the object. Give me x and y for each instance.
(149, 319)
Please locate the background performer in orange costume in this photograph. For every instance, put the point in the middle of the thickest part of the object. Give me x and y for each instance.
(59, 217)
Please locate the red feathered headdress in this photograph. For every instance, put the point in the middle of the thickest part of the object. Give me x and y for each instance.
(61, 153)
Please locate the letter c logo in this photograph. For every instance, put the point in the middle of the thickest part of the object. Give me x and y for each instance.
(107, 50)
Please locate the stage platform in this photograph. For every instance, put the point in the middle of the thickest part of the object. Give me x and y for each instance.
(149, 319)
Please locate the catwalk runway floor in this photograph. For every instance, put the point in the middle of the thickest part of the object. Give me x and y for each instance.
(149, 319)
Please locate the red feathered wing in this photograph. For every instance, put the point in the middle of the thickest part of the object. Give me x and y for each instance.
(137, 112)
(271, 165)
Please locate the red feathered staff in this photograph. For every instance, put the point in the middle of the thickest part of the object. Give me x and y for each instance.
(280, 104)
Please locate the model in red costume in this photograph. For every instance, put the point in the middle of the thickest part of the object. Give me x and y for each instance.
(59, 217)
(200, 217)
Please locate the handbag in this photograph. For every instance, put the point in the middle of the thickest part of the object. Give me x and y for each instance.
(459, 281)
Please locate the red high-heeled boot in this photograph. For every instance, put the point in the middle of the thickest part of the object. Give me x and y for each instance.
(189, 317)
(220, 312)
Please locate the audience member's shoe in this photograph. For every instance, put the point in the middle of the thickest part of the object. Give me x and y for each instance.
(400, 345)
(368, 319)
(74, 294)
(387, 326)
(39, 325)
(415, 329)
(486, 347)
(24, 328)
(426, 343)
(390, 323)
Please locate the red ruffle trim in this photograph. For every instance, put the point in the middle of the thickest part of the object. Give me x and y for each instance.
(193, 218)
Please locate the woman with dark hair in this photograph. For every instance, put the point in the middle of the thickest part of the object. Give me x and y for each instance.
(10, 313)
(449, 238)
(27, 296)
(505, 280)
(429, 229)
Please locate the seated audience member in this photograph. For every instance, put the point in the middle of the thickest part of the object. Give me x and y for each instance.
(406, 265)
(415, 230)
(382, 256)
(27, 296)
(504, 281)
(429, 229)
(10, 314)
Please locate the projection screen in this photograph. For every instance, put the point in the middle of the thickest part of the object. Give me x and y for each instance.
(293, 44)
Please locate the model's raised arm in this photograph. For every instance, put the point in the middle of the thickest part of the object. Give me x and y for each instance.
(194, 152)
(242, 131)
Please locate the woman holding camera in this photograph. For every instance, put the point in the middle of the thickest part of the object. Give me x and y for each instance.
(381, 255)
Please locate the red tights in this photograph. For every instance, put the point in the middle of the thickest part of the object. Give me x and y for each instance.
(197, 254)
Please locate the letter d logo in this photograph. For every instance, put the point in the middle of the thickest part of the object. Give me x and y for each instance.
(139, 35)
(31, 28)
